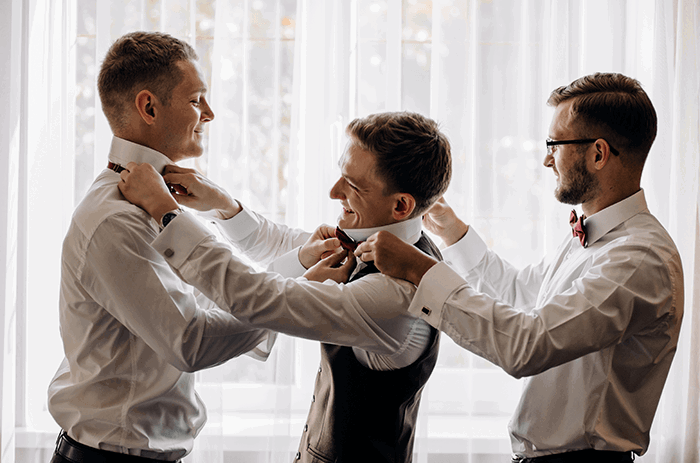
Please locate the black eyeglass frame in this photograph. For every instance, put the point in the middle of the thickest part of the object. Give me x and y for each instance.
(581, 141)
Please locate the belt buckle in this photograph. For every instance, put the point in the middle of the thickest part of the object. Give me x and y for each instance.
(517, 458)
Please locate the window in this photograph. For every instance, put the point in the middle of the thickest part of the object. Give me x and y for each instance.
(247, 50)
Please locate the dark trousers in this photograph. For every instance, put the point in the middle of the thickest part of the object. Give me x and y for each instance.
(581, 456)
(71, 451)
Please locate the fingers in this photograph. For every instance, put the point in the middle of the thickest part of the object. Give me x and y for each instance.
(179, 183)
(350, 263)
(336, 258)
(324, 232)
(364, 252)
(172, 168)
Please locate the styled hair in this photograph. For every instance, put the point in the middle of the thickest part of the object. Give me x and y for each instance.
(140, 61)
(412, 155)
(614, 107)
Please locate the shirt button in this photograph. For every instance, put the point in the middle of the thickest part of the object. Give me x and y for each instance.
(169, 253)
(298, 457)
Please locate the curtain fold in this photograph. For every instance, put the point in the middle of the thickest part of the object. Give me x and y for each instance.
(286, 76)
(11, 34)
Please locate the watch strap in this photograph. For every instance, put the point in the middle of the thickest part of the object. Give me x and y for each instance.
(169, 216)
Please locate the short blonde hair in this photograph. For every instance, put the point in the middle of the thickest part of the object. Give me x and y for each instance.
(138, 61)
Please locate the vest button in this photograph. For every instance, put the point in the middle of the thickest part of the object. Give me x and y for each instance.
(319, 369)
(306, 427)
(313, 398)
(298, 457)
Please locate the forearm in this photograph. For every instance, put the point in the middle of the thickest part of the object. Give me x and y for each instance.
(260, 239)
(328, 312)
(134, 284)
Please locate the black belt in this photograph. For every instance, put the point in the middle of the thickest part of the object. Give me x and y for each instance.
(580, 456)
(79, 453)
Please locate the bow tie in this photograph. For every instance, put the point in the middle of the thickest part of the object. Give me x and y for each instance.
(346, 241)
(115, 167)
(577, 227)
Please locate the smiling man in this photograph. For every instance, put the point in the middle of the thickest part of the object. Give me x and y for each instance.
(132, 332)
(594, 327)
(375, 357)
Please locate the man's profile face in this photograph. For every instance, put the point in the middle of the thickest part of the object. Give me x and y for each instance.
(575, 183)
(180, 124)
(361, 191)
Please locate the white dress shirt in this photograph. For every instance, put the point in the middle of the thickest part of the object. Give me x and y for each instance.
(594, 329)
(132, 330)
(368, 314)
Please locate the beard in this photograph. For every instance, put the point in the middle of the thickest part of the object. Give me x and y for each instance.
(580, 187)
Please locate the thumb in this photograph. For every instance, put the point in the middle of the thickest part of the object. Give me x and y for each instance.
(350, 263)
(335, 259)
(331, 244)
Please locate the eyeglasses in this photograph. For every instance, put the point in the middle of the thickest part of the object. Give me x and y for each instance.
(552, 143)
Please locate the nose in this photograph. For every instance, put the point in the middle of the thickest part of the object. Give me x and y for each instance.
(337, 190)
(207, 113)
(548, 160)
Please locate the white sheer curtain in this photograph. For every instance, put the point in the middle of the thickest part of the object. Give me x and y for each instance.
(286, 76)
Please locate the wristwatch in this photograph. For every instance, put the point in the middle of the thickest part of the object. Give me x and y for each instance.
(169, 216)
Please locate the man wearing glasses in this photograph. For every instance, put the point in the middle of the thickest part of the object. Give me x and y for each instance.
(593, 328)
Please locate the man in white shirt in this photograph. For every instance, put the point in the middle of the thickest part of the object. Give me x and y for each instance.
(375, 356)
(132, 331)
(593, 328)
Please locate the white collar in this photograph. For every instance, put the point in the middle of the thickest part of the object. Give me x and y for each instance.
(605, 220)
(124, 151)
(408, 230)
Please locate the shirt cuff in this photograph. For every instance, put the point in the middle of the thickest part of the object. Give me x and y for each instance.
(288, 264)
(179, 239)
(438, 284)
(466, 253)
(238, 227)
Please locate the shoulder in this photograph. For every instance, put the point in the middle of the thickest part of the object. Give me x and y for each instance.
(643, 247)
(644, 235)
(104, 203)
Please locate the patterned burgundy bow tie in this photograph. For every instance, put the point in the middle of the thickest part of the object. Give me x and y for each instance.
(577, 227)
(345, 240)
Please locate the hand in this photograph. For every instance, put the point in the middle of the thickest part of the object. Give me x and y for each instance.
(194, 190)
(143, 186)
(330, 268)
(320, 244)
(394, 257)
(442, 221)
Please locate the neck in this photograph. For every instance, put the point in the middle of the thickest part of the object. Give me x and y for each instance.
(408, 230)
(607, 199)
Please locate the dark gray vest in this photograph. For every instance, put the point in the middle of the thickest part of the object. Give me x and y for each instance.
(363, 415)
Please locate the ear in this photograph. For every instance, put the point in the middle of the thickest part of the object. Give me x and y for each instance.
(602, 154)
(404, 205)
(146, 106)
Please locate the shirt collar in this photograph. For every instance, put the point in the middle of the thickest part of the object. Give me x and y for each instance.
(123, 152)
(603, 221)
(408, 230)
